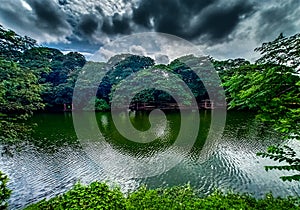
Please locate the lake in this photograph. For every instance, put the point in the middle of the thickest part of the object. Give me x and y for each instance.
(55, 158)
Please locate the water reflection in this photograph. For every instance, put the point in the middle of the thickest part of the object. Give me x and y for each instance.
(121, 156)
(54, 159)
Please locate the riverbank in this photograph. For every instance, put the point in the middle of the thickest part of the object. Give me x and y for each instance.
(99, 195)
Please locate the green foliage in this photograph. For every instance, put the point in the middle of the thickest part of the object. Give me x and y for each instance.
(115, 70)
(12, 45)
(19, 86)
(19, 97)
(40, 58)
(190, 78)
(272, 88)
(124, 67)
(182, 197)
(99, 105)
(148, 78)
(51, 66)
(226, 66)
(284, 109)
(20, 91)
(95, 196)
(265, 88)
(100, 196)
(281, 51)
(283, 154)
(4, 191)
(61, 76)
(31, 76)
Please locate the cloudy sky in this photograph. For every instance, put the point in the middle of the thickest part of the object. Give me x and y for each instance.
(223, 29)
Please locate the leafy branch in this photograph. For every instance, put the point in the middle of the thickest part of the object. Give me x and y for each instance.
(283, 154)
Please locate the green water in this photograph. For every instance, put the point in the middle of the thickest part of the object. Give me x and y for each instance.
(55, 158)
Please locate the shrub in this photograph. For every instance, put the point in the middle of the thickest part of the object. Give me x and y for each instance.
(94, 196)
(100, 105)
(4, 191)
(100, 196)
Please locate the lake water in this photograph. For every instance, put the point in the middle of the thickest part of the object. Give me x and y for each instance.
(54, 159)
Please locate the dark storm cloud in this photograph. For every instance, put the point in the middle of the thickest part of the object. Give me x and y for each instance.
(49, 17)
(62, 2)
(278, 19)
(168, 11)
(211, 20)
(40, 20)
(219, 22)
(191, 19)
(196, 6)
(208, 22)
(88, 24)
(9, 15)
(116, 24)
(99, 9)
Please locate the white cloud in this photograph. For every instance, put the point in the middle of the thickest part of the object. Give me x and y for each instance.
(160, 47)
(137, 50)
(26, 5)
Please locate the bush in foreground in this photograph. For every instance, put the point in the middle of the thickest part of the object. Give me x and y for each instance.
(99, 196)
(4, 191)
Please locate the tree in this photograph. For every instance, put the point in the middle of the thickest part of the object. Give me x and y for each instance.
(150, 85)
(19, 87)
(100, 105)
(227, 65)
(125, 67)
(13, 45)
(54, 69)
(179, 67)
(111, 73)
(272, 88)
(19, 97)
(284, 51)
(62, 78)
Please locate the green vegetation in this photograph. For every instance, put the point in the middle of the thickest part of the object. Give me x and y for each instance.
(57, 73)
(19, 97)
(271, 87)
(52, 68)
(31, 78)
(19, 87)
(153, 77)
(100, 196)
(4, 191)
(97, 105)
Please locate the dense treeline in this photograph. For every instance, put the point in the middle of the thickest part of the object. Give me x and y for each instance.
(50, 66)
(31, 77)
(56, 73)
